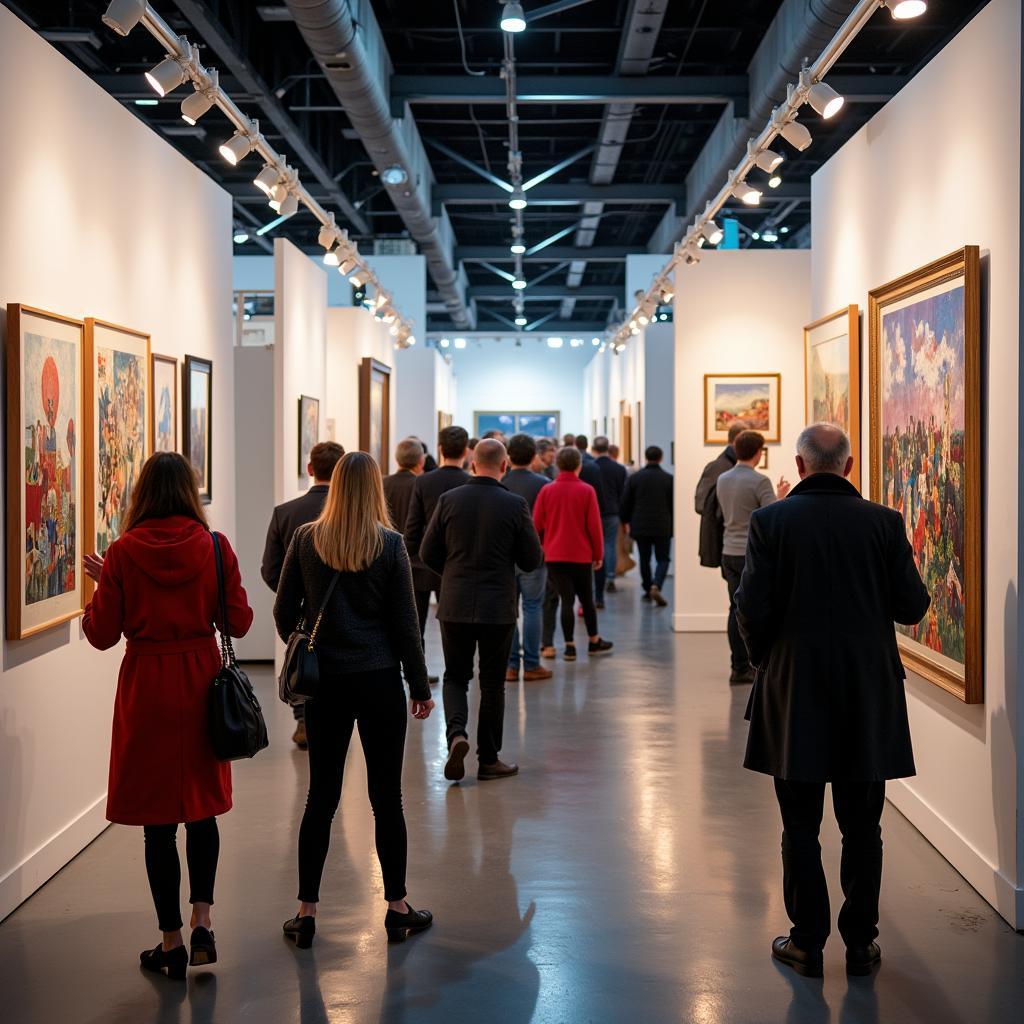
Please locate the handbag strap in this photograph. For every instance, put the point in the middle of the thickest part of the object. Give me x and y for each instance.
(227, 649)
(323, 606)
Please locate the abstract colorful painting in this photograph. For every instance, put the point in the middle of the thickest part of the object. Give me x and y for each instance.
(309, 429)
(44, 469)
(197, 426)
(753, 398)
(165, 403)
(925, 426)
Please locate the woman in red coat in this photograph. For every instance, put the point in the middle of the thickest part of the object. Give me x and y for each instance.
(157, 586)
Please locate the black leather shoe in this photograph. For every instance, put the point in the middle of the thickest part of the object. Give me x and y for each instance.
(173, 961)
(809, 963)
(301, 931)
(861, 960)
(203, 950)
(498, 770)
(455, 766)
(400, 926)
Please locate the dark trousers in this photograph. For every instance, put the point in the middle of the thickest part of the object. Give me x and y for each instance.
(422, 598)
(547, 627)
(202, 848)
(732, 571)
(575, 580)
(858, 809)
(661, 547)
(604, 575)
(375, 702)
(461, 640)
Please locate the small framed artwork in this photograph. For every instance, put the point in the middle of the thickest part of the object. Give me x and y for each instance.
(164, 372)
(763, 464)
(375, 409)
(832, 376)
(754, 398)
(45, 402)
(197, 421)
(309, 429)
(444, 420)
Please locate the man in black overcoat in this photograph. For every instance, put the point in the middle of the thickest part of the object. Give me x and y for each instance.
(827, 573)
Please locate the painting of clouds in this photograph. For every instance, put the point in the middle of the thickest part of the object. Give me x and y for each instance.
(754, 399)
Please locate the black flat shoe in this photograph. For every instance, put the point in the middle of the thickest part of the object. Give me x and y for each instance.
(809, 963)
(400, 926)
(158, 960)
(203, 948)
(861, 960)
(301, 931)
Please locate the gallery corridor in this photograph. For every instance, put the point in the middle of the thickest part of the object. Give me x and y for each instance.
(631, 873)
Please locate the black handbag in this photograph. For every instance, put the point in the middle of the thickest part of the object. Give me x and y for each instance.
(300, 673)
(237, 728)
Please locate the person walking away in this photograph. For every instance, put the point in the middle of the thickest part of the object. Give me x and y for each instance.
(646, 511)
(368, 636)
(285, 520)
(398, 487)
(477, 538)
(826, 574)
(569, 523)
(712, 527)
(741, 490)
(157, 586)
(521, 480)
(452, 444)
(544, 460)
(613, 484)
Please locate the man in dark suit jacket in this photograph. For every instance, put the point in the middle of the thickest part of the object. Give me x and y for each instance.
(398, 487)
(286, 519)
(646, 511)
(478, 536)
(613, 486)
(711, 525)
(826, 575)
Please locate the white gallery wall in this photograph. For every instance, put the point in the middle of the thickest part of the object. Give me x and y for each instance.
(102, 218)
(739, 311)
(935, 170)
(612, 378)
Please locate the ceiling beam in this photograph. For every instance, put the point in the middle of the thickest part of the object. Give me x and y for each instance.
(472, 194)
(544, 292)
(552, 254)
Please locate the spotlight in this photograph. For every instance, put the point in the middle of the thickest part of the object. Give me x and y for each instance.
(595, 342)
(123, 15)
(444, 342)
(712, 232)
(240, 237)
(784, 230)
(265, 182)
(902, 10)
(332, 257)
(755, 235)
(554, 342)
(747, 193)
(357, 280)
(328, 233)
(576, 342)
(512, 18)
(166, 76)
(825, 100)
(193, 107)
(770, 237)
(347, 265)
(394, 175)
(796, 135)
(643, 319)
(279, 192)
(519, 284)
(517, 201)
(410, 341)
(768, 160)
(634, 330)
(459, 343)
(520, 321)
(517, 248)
(290, 206)
(667, 295)
(394, 329)
(237, 148)
(775, 181)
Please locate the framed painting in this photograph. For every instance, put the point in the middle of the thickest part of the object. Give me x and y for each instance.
(45, 402)
(444, 419)
(197, 421)
(118, 436)
(309, 429)
(763, 464)
(832, 377)
(753, 397)
(925, 436)
(375, 409)
(164, 374)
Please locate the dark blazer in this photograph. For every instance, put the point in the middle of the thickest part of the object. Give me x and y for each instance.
(827, 573)
(712, 524)
(478, 536)
(525, 483)
(613, 483)
(425, 493)
(287, 518)
(398, 492)
(590, 474)
(647, 502)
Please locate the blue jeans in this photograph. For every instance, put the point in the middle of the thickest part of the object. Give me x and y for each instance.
(610, 529)
(531, 585)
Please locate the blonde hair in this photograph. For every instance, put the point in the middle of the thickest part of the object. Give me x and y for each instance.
(349, 535)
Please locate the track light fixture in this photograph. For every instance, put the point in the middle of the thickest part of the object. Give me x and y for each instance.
(512, 18)
(123, 15)
(824, 100)
(901, 10)
(357, 280)
(347, 264)
(746, 193)
(712, 232)
(166, 76)
(517, 248)
(290, 206)
(332, 257)
(517, 201)
(768, 160)
(265, 182)
(240, 237)
(520, 321)
(240, 145)
(193, 107)
(667, 295)
(519, 284)
(795, 134)
(328, 233)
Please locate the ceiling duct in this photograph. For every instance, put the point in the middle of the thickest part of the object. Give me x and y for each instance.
(350, 50)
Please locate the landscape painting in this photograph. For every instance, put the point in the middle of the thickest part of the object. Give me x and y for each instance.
(375, 410)
(197, 426)
(165, 403)
(309, 429)
(925, 427)
(753, 398)
(44, 469)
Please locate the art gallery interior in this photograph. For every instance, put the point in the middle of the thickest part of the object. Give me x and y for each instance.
(630, 218)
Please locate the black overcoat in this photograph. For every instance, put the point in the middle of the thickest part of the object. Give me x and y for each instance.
(425, 493)
(827, 573)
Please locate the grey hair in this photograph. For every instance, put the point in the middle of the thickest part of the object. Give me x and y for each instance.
(824, 448)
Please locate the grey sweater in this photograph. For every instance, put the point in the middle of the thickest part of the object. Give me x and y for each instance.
(741, 491)
(370, 622)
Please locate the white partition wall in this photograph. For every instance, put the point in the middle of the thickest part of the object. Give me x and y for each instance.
(935, 170)
(101, 217)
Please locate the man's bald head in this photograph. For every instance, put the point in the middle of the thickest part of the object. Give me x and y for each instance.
(490, 457)
(823, 448)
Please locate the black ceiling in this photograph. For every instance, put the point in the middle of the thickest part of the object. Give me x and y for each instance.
(697, 37)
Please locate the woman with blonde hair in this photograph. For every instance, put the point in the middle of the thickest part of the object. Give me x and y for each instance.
(368, 635)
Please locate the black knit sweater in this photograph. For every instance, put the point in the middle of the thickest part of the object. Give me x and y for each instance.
(370, 622)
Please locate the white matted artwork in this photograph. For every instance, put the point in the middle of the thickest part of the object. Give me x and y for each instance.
(752, 397)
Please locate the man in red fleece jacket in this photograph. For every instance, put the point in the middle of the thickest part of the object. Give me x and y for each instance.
(568, 520)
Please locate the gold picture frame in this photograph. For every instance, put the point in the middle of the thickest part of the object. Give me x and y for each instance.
(730, 396)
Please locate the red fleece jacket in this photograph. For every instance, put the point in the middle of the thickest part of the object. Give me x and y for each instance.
(568, 520)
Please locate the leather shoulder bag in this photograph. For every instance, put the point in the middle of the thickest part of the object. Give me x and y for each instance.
(237, 728)
(299, 680)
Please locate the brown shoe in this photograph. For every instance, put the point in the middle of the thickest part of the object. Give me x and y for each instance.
(455, 766)
(299, 736)
(498, 770)
(658, 598)
(535, 675)
(511, 675)
(548, 652)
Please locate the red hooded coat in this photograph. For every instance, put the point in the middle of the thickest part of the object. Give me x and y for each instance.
(159, 588)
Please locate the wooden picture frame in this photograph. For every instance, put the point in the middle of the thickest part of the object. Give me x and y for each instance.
(763, 464)
(832, 350)
(309, 429)
(197, 431)
(164, 413)
(45, 403)
(924, 333)
(744, 392)
(375, 410)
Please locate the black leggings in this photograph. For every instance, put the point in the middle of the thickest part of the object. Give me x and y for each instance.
(202, 847)
(572, 580)
(375, 701)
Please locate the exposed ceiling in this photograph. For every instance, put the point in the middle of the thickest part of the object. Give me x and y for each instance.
(648, 78)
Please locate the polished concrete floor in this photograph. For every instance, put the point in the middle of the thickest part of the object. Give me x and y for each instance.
(630, 874)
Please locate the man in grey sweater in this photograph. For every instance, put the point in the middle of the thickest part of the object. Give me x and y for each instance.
(741, 491)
